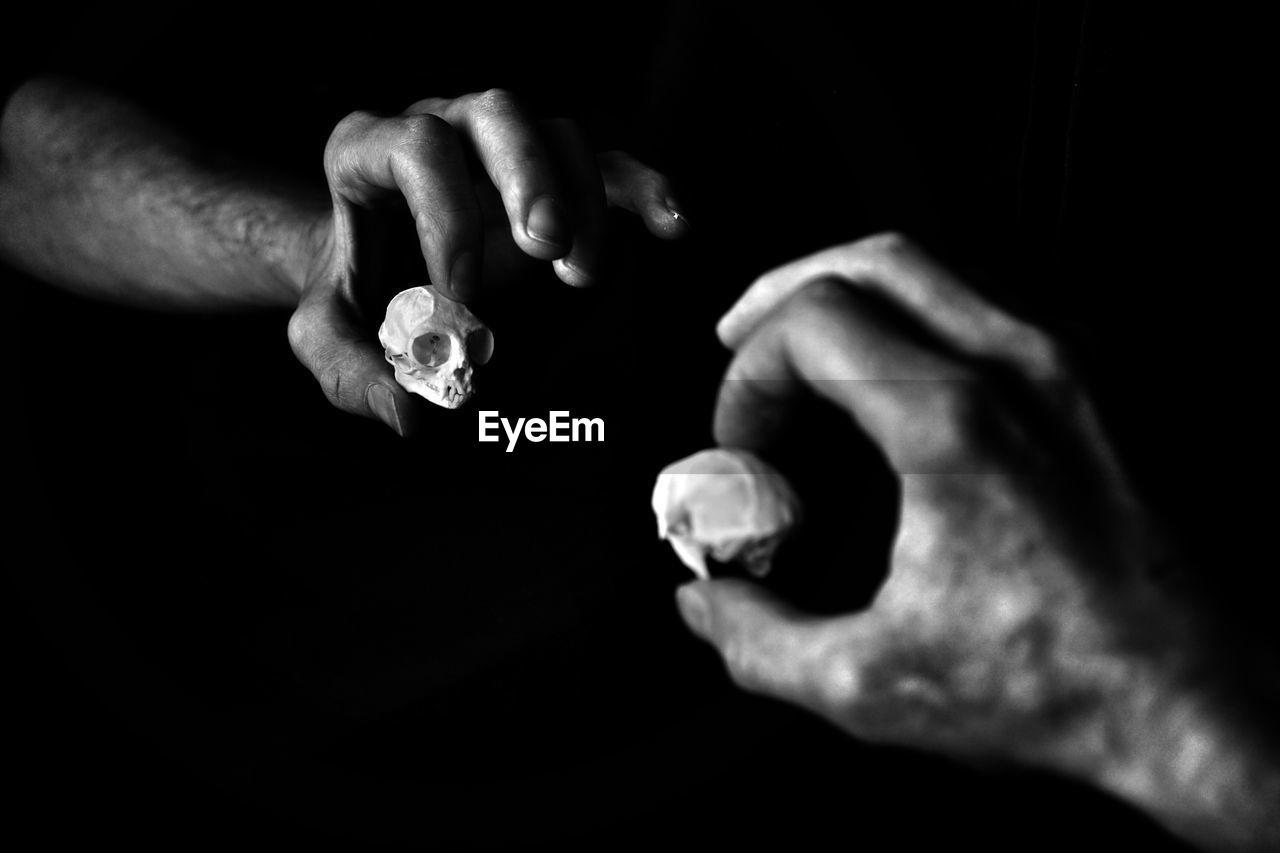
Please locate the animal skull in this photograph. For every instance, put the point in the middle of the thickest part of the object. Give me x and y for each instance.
(434, 343)
(726, 503)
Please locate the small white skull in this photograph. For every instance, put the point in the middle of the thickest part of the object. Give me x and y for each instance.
(726, 503)
(435, 344)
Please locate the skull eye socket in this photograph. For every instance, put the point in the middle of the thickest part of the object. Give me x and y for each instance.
(432, 349)
(480, 346)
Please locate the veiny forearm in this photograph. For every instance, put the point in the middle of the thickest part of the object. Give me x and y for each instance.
(102, 199)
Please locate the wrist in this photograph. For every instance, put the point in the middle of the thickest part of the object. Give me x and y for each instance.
(1178, 734)
(311, 252)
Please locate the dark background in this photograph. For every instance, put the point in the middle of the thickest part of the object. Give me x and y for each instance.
(239, 616)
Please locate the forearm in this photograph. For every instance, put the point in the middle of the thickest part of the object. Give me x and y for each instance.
(99, 198)
(1201, 764)
(1187, 735)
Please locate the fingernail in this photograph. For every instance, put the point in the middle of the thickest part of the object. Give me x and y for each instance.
(465, 275)
(382, 401)
(546, 222)
(572, 274)
(693, 606)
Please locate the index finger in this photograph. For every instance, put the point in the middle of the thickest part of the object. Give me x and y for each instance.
(419, 156)
(521, 167)
(927, 411)
(894, 267)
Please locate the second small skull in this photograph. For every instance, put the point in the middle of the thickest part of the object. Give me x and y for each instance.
(729, 504)
(434, 343)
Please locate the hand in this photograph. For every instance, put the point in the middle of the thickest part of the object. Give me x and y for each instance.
(1027, 615)
(486, 189)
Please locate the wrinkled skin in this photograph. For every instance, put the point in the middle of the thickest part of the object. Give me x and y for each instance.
(1031, 612)
(489, 190)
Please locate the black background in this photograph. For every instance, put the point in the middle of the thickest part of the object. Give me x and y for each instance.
(239, 616)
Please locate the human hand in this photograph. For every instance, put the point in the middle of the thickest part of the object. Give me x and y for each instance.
(1029, 614)
(488, 191)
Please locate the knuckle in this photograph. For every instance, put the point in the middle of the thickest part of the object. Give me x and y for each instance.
(886, 243)
(420, 130)
(354, 122)
(839, 681)
(343, 139)
(298, 332)
(495, 100)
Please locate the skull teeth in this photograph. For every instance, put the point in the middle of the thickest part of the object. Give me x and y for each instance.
(445, 378)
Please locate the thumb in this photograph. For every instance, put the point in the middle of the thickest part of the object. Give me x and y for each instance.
(351, 370)
(772, 649)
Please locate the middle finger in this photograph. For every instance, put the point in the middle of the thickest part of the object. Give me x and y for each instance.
(521, 167)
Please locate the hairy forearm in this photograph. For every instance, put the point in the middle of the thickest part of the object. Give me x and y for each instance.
(101, 199)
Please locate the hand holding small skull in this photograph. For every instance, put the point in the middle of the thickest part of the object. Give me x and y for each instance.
(539, 194)
(434, 344)
(1029, 614)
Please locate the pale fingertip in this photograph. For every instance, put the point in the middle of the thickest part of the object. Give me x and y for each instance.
(694, 608)
(742, 318)
(727, 329)
(572, 274)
